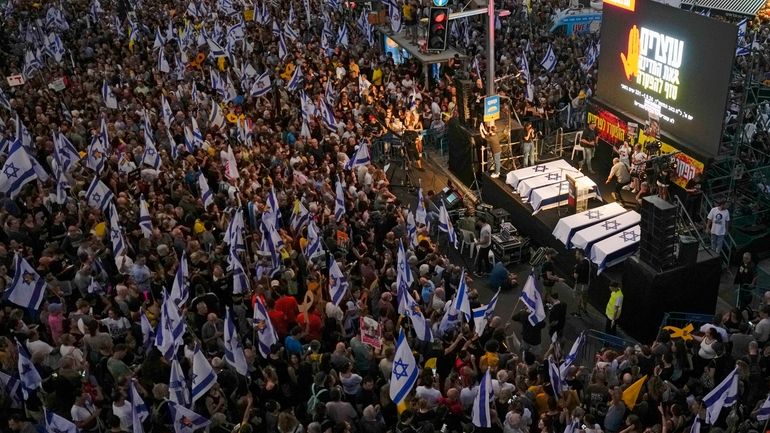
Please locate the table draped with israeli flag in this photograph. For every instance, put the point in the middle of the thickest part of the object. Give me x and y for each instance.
(551, 196)
(527, 186)
(616, 248)
(514, 177)
(568, 226)
(587, 238)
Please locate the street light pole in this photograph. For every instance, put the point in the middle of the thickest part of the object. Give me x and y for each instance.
(490, 48)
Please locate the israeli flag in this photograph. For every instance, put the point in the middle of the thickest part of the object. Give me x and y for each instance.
(98, 195)
(282, 51)
(481, 413)
(119, 248)
(17, 170)
(411, 229)
(12, 388)
(57, 48)
(314, 246)
(203, 375)
(289, 32)
(327, 114)
(240, 279)
(723, 395)
(216, 118)
(572, 355)
(163, 65)
(360, 158)
(165, 108)
(462, 302)
(172, 145)
(187, 421)
(530, 296)
(96, 155)
(236, 32)
(160, 41)
(420, 214)
(404, 280)
(743, 27)
(58, 424)
(482, 315)
(150, 156)
(64, 153)
(339, 202)
(148, 333)
(145, 222)
(22, 133)
(28, 374)
(27, 287)
(206, 194)
(234, 232)
(763, 414)
(296, 80)
(265, 331)
(556, 381)
(404, 372)
(342, 36)
(139, 410)
(4, 102)
(104, 135)
(215, 50)
(420, 324)
(299, 217)
(180, 288)
(233, 347)
(261, 86)
(109, 99)
(178, 391)
(445, 225)
(395, 17)
(549, 61)
(338, 284)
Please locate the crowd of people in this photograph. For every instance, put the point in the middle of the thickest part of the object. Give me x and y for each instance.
(194, 236)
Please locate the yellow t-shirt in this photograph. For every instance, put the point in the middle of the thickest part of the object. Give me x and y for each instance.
(288, 71)
(377, 77)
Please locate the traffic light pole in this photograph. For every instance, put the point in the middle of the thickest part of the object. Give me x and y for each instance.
(490, 47)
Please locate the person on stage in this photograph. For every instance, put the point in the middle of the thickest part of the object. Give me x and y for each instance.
(413, 133)
(528, 144)
(588, 141)
(488, 132)
(638, 164)
(622, 177)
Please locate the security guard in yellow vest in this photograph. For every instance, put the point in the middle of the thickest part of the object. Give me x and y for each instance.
(614, 306)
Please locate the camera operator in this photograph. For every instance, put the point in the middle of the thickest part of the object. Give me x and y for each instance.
(638, 163)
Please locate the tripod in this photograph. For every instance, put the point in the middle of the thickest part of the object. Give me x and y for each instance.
(404, 165)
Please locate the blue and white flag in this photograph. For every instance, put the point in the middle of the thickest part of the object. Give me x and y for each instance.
(445, 225)
(97, 154)
(56, 47)
(743, 27)
(236, 32)
(180, 288)
(573, 426)
(178, 391)
(421, 325)
(235, 229)
(723, 395)
(360, 158)
(314, 246)
(150, 156)
(215, 50)
(28, 374)
(420, 214)
(482, 315)
(342, 36)
(148, 333)
(98, 195)
(203, 375)
(240, 279)
(530, 295)
(139, 410)
(187, 421)
(395, 16)
(206, 195)
(145, 221)
(404, 372)
(119, 245)
(12, 388)
(17, 170)
(462, 302)
(266, 335)
(233, 347)
(289, 32)
(555, 377)
(296, 80)
(216, 118)
(549, 61)
(160, 41)
(4, 102)
(411, 229)
(104, 134)
(58, 424)
(763, 413)
(172, 146)
(481, 413)
(162, 64)
(64, 153)
(571, 357)
(27, 287)
(109, 99)
(327, 115)
(338, 284)
(165, 108)
(282, 50)
(261, 86)
(339, 202)
(171, 329)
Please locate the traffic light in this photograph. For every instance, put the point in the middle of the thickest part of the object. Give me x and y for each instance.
(438, 28)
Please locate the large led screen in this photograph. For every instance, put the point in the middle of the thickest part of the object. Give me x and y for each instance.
(669, 69)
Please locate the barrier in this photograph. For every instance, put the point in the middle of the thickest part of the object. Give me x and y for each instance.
(680, 320)
(596, 342)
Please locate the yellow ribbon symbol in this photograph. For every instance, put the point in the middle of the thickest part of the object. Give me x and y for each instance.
(683, 333)
(631, 61)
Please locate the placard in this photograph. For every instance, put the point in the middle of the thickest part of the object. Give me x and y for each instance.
(57, 85)
(371, 332)
(15, 80)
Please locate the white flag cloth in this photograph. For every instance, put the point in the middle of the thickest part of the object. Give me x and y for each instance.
(163, 65)
(361, 157)
(481, 413)
(240, 279)
(139, 411)
(231, 165)
(261, 86)
(206, 195)
(549, 60)
(17, 170)
(462, 302)
(482, 315)
(405, 371)
(28, 374)
(171, 328)
(99, 196)
(168, 114)
(339, 201)
(187, 421)
(420, 214)
(338, 284)
(178, 391)
(58, 424)
(764, 411)
(27, 287)
(530, 296)
(109, 99)
(233, 348)
(203, 375)
(265, 331)
(145, 221)
(216, 118)
(571, 356)
(180, 288)
(314, 246)
(723, 395)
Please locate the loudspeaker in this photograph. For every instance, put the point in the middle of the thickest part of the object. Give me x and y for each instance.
(464, 150)
(464, 104)
(688, 250)
(657, 245)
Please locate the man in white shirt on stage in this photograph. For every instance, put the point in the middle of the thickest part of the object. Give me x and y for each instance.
(717, 225)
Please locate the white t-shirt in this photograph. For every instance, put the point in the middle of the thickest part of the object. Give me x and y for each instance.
(80, 413)
(486, 230)
(124, 413)
(719, 219)
(430, 395)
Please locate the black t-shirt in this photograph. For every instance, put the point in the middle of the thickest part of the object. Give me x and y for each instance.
(582, 269)
(746, 274)
(546, 268)
(589, 135)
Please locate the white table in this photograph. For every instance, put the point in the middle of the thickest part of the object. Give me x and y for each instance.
(586, 238)
(514, 177)
(616, 248)
(527, 185)
(567, 226)
(551, 196)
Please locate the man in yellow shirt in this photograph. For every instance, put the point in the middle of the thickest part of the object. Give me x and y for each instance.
(614, 306)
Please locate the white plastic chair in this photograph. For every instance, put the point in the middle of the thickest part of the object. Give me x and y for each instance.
(492, 258)
(577, 147)
(469, 238)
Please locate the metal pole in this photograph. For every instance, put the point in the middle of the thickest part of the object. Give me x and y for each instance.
(490, 48)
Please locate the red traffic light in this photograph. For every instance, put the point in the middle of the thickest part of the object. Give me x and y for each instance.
(439, 17)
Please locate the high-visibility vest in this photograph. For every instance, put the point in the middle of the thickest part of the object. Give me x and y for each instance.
(610, 311)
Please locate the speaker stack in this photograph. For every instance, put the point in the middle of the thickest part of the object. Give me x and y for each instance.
(658, 243)
(464, 105)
